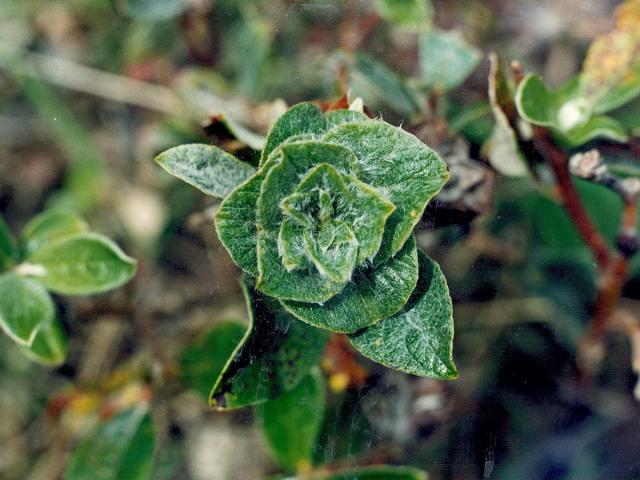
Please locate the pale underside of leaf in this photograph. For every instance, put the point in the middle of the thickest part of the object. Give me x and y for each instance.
(206, 167)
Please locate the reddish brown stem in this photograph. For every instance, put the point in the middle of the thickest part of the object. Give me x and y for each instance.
(559, 162)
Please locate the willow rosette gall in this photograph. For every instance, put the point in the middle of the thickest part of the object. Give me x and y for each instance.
(323, 229)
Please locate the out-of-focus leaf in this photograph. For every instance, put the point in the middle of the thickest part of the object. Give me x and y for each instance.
(206, 167)
(291, 422)
(418, 339)
(122, 448)
(405, 13)
(48, 227)
(375, 473)
(254, 44)
(85, 180)
(153, 9)
(7, 246)
(503, 151)
(446, 59)
(82, 264)
(25, 306)
(384, 85)
(568, 115)
(610, 74)
(50, 346)
(202, 361)
(276, 353)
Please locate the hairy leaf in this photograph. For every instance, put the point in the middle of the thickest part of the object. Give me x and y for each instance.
(299, 119)
(48, 227)
(338, 117)
(83, 264)
(201, 363)
(374, 294)
(206, 167)
(418, 339)
(446, 59)
(120, 448)
(400, 167)
(275, 354)
(292, 421)
(25, 306)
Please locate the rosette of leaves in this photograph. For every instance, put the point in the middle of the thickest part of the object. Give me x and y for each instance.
(324, 230)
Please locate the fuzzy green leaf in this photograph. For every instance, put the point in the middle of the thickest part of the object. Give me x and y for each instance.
(206, 167)
(600, 126)
(338, 117)
(275, 354)
(299, 119)
(446, 59)
(25, 306)
(274, 279)
(236, 221)
(333, 250)
(82, 264)
(292, 421)
(120, 448)
(399, 166)
(372, 295)
(48, 227)
(418, 339)
(7, 247)
(201, 363)
(50, 346)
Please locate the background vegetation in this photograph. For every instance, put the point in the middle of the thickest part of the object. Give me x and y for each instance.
(92, 90)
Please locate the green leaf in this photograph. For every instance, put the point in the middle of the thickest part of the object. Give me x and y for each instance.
(446, 59)
(299, 119)
(206, 167)
(601, 126)
(570, 116)
(201, 363)
(237, 218)
(276, 353)
(48, 227)
(333, 250)
(50, 345)
(405, 13)
(419, 338)
(83, 264)
(338, 117)
(399, 166)
(384, 85)
(7, 247)
(292, 421)
(537, 105)
(378, 473)
(153, 10)
(25, 306)
(372, 295)
(121, 448)
(280, 182)
(610, 75)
